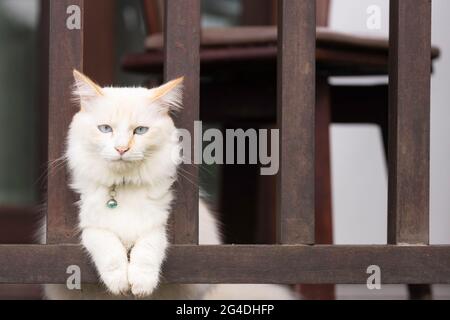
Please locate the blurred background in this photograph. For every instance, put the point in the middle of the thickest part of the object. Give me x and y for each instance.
(358, 166)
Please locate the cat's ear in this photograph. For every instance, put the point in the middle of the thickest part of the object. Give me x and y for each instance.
(84, 89)
(169, 96)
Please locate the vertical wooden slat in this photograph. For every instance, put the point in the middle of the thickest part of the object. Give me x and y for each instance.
(296, 94)
(182, 46)
(66, 53)
(92, 53)
(409, 127)
(322, 13)
(409, 121)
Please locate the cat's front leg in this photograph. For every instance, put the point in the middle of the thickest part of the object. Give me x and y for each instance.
(146, 258)
(110, 258)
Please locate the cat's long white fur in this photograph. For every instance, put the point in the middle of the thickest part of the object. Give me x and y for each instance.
(128, 244)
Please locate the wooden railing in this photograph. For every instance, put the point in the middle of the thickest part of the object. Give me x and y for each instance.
(408, 258)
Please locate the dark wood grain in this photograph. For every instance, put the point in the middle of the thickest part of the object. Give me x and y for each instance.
(257, 12)
(245, 36)
(296, 94)
(182, 45)
(66, 53)
(336, 53)
(152, 15)
(409, 122)
(245, 264)
(21, 292)
(323, 206)
(99, 41)
(409, 127)
(18, 225)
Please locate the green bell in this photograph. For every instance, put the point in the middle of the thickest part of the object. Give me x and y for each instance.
(112, 203)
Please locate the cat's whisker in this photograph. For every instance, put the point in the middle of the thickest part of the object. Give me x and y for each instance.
(187, 179)
(200, 167)
(53, 166)
(190, 173)
(187, 172)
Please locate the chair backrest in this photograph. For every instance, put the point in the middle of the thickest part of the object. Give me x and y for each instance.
(255, 12)
(264, 12)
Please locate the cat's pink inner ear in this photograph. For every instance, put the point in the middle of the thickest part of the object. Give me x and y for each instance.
(85, 88)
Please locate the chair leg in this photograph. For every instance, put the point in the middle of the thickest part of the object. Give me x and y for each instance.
(420, 292)
(323, 221)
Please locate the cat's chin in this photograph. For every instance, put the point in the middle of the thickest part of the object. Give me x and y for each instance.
(123, 165)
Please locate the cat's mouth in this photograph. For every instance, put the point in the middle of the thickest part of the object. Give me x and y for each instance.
(125, 160)
(121, 160)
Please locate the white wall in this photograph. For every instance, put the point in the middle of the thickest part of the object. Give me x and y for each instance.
(359, 172)
(25, 11)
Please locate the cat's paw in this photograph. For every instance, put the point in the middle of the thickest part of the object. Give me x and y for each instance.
(116, 280)
(143, 281)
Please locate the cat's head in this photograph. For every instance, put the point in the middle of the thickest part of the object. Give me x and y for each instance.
(121, 127)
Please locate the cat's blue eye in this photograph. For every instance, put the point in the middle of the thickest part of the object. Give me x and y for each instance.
(105, 128)
(141, 130)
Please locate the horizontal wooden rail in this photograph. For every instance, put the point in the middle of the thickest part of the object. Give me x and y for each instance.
(245, 264)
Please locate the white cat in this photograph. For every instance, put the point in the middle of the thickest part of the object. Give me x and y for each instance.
(120, 152)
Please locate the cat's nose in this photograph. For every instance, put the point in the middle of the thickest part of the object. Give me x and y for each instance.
(122, 150)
